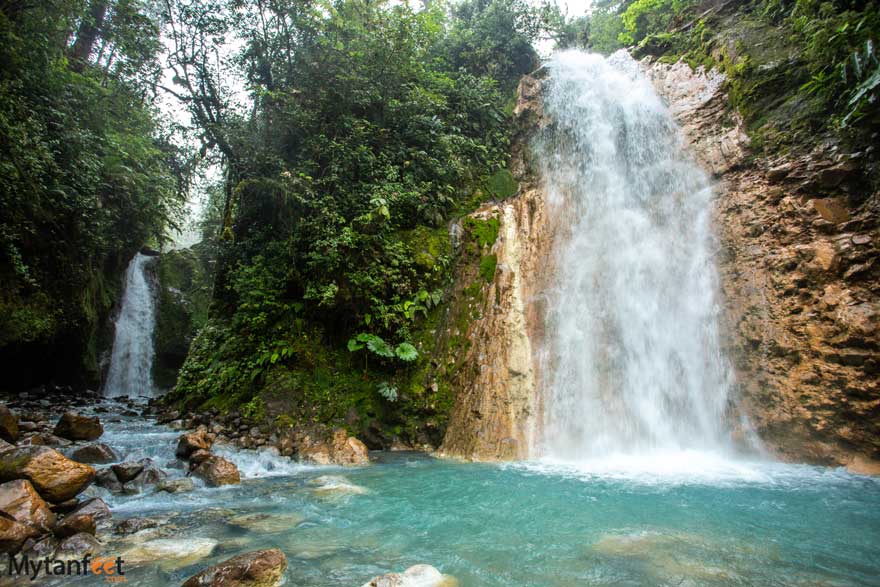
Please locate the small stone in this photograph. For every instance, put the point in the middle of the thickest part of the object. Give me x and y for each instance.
(128, 470)
(180, 485)
(133, 525)
(77, 546)
(106, 478)
(415, 576)
(861, 239)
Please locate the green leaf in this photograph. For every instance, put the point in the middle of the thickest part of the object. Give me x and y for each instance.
(380, 347)
(354, 345)
(406, 352)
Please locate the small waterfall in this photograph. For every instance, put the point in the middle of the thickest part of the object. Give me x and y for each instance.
(632, 356)
(131, 362)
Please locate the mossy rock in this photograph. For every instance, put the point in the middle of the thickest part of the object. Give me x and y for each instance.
(183, 282)
(488, 264)
(502, 184)
(484, 232)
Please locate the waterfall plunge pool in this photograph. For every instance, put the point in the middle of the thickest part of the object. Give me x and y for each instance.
(694, 520)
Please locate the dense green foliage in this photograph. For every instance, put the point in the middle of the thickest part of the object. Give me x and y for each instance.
(373, 125)
(796, 68)
(85, 178)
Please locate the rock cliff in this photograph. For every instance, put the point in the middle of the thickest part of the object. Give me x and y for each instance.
(497, 408)
(797, 255)
(798, 262)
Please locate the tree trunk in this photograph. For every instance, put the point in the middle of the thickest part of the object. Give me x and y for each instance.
(88, 32)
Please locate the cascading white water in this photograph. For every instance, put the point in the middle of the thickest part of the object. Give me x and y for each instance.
(632, 357)
(131, 362)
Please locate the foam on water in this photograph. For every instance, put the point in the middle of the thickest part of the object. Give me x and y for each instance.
(264, 462)
(689, 467)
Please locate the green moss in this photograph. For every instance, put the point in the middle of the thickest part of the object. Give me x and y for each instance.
(502, 184)
(428, 244)
(488, 264)
(484, 232)
(184, 283)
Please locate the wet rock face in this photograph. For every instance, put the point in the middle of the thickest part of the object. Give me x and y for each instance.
(98, 453)
(217, 471)
(14, 534)
(494, 417)
(799, 271)
(72, 426)
(192, 442)
(55, 477)
(340, 449)
(8, 424)
(262, 568)
(20, 501)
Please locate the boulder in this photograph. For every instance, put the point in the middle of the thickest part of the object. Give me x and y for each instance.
(199, 457)
(348, 450)
(19, 499)
(14, 534)
(190, 442)
(180, 485)
(132, 525)
(170, 552)
(74, 523)
(149, 475)
(55, 477)
(261, 568)
(98, 453)
(128, 470)
(415, 576)
(73, 426)
(77, 546)
(106, 478)
(8, 424)
(217, 471)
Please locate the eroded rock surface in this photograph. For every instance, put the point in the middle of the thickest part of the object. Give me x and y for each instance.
(261, 568)
(55, 477)
(496, 410)
(799, 275)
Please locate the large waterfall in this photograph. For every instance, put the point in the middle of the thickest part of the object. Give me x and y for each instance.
(131, 362)
(631, 354)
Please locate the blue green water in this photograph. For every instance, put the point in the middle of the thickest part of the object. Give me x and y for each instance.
(696, 521)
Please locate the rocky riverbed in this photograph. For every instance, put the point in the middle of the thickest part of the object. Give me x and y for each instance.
(76, 475)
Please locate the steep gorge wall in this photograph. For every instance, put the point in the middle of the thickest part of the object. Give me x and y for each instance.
(798, 263)
(497, 409)
(797, 250)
